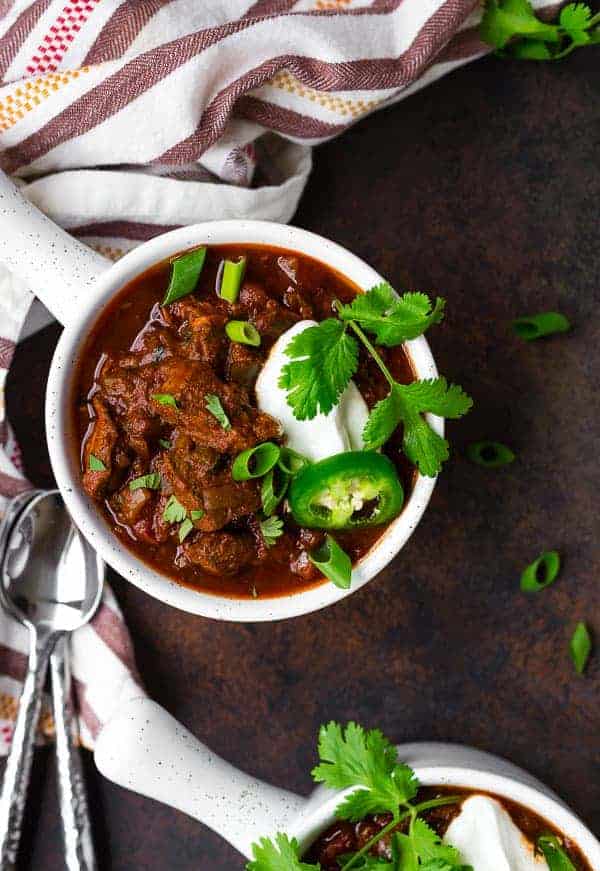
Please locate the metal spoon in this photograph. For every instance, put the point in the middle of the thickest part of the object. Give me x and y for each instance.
(51, 581)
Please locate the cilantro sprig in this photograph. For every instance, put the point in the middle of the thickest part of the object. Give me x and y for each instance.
(324, 358)
(366, 762)
(514, 29)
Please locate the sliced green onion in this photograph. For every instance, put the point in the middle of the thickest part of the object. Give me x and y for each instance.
(492, 455)
(185, 529)
(255, 462)
(185, 272)
(243, 332)
(291, 461)
(555, 856)
(580, 647)
(165, 399)
(95, 464)
(197, 514)
(231, 279)
(333, 562)
(151, 481)
(165, 443)
(541, 573)
(213, 404)
(544, 324)
(274, 487)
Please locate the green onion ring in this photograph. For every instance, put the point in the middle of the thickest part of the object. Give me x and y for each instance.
(243, 332)
(543, 324)
(492, 455)
(333, 562)
(541, 572)
(255, 462)
(274, 488)
(291, 461)
(231, 279)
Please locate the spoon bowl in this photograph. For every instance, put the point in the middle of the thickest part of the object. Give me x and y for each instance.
(51, 577)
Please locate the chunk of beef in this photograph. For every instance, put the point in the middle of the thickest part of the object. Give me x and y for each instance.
(129, 505)
(243, 364)
(225, 501)
(101, 443)
(294, 300)
(268, 316)
(220, 553)
(190, 383)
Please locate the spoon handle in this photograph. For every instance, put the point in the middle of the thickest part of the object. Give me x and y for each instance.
(18, 764)
(77, 831)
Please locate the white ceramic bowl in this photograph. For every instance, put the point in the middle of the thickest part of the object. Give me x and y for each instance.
(144, 749)
(76, 284)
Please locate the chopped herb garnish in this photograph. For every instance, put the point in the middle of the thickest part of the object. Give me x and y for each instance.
(390, 318)
(555, 856)
(255, 462)
(197, 514)
(165, 443)
(271, 529)
(185, 529)
(325, 357)
(151, 481)
(174, 511)
(333, 562)
(492, 455)
(513, 27)
(185, 271)
(232, 276)
(95, 464)
(273, 489)
(282, 854)
(536, 326)
(213, 404)
(580, 647)
(165, 399)
(243, 332)
(541, 573)
(368, 762)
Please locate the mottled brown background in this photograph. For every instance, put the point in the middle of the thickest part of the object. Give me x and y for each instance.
(485, 188)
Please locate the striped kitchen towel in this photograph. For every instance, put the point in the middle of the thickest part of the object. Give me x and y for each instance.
(124, 118)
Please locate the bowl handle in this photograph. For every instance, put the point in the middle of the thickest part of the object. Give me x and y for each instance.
(54, 265)
(143, 748)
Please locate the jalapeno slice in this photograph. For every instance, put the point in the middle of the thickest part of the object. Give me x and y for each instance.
(347, 491)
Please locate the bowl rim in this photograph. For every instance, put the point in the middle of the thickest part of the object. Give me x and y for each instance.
(59, 427)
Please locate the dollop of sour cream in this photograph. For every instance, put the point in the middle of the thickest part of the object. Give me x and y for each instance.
(488, 839)
(324, 435)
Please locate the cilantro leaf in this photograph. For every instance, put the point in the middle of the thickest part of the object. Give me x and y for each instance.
(150, 481)
(280, 855)
(323, 360)
(504, 19)
(405, 404)
(436, 396)
(95, 464)
(393, 319)
(575, 17)
(185, 529)
(213, 404)
(165, 399)
(174, 511)
(357, 758)
(271, 529)
(429, 846)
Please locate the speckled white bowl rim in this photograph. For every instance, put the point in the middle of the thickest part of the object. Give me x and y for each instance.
(60, 430)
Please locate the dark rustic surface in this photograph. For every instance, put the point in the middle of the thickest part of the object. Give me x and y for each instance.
(485, 188)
